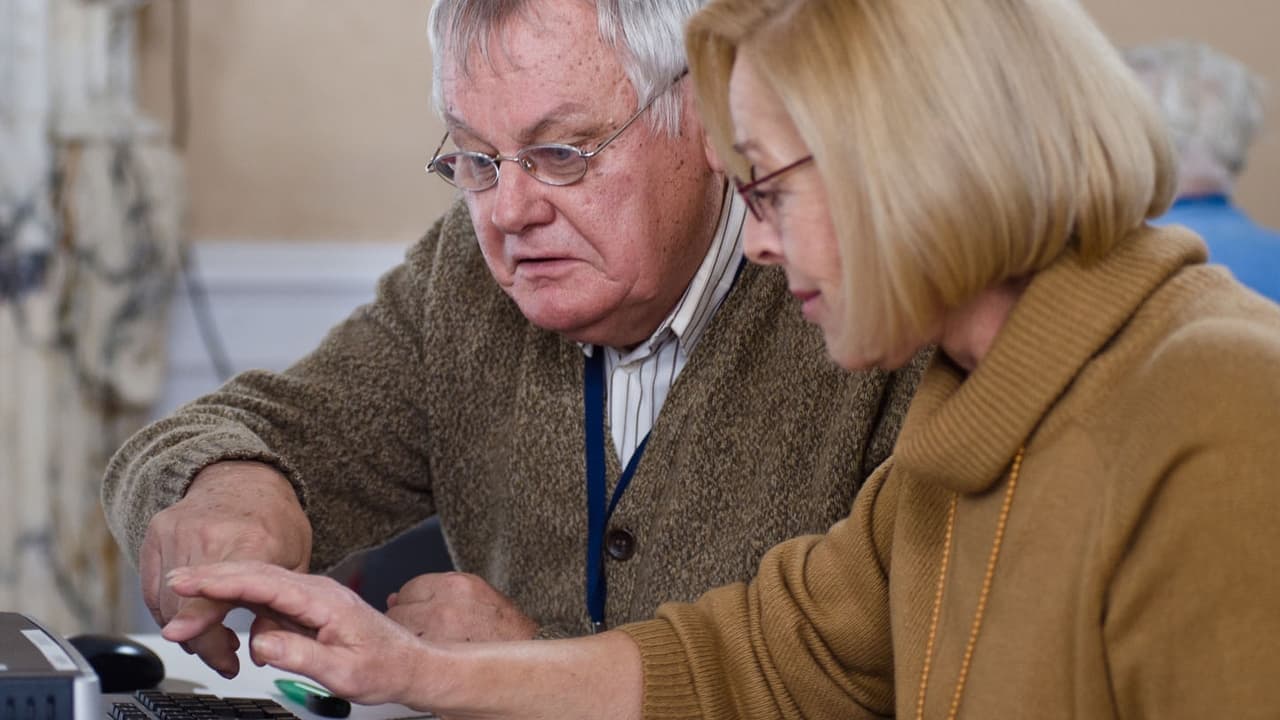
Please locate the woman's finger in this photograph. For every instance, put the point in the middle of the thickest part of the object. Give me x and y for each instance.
(307, 601)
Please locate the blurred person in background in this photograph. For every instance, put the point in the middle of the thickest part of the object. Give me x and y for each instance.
(580, 325)
(1212, 104)
(1079, 518)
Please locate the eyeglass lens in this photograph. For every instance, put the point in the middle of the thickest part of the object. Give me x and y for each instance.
(752, 198)
(750, 191)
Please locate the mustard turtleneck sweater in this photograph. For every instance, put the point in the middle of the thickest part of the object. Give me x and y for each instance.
(1137, 573)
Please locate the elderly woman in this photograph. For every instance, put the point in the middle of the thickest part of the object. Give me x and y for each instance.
(1080, 516)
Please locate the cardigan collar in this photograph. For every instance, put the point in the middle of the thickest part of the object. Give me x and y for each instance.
(962, 432)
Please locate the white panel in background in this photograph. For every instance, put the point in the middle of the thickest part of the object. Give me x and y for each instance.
(270, 303)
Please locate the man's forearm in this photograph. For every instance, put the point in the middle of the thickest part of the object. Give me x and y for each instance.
(156, 467)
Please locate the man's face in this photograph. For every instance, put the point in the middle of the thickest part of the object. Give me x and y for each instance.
(606, 259)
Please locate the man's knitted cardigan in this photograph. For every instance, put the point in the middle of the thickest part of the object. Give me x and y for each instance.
(441, 397)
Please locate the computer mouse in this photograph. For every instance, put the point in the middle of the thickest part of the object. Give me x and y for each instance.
(123, 665)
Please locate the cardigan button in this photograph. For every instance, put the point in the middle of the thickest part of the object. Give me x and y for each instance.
(620, 544)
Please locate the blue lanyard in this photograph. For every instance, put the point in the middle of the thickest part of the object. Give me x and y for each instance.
(597, 514)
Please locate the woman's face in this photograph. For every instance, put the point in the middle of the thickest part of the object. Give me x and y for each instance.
(797, 233)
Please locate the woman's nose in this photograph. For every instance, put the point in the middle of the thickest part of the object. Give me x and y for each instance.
(760, 243)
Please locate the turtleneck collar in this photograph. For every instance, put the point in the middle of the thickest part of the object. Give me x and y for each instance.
(962, 432)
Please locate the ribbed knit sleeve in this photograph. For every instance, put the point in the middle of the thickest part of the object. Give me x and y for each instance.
(808, 638)
(668, 678)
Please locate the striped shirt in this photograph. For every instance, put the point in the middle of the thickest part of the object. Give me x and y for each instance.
(638, 382)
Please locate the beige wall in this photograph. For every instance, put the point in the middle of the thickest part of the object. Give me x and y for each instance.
(310, 118)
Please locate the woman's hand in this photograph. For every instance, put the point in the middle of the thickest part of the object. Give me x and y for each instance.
(313, 626)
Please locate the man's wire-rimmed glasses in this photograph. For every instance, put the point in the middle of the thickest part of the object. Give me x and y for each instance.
(550, 163)
(757, 199)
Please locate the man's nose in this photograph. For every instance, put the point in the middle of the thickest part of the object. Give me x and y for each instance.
(760, 243)
(519, 200)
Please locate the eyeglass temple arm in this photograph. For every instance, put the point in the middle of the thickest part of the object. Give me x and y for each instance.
(431, 165)
(596, 151)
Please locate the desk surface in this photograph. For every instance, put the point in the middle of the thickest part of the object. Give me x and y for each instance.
(186, 673)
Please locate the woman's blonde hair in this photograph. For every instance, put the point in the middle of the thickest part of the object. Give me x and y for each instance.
(962, 143)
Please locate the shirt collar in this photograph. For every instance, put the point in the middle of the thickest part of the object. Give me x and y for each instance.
(1194, 200)
(708, 288)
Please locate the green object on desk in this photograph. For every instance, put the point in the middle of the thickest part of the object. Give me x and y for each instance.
(314, 698)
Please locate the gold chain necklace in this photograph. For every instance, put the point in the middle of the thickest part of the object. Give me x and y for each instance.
(982, 597)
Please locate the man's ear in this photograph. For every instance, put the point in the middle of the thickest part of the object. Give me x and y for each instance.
(713, 157)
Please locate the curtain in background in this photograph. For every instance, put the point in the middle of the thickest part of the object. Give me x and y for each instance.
(91, 206)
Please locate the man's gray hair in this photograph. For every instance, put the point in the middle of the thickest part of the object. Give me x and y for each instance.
(648, 36)
(1211, 102)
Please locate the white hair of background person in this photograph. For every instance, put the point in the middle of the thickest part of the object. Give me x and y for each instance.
(1212, 104)
(648, 34)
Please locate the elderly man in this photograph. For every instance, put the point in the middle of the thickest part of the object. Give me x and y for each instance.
(572, 368)
(1213, 106)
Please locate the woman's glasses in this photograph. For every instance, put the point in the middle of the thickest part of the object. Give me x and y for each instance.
(757, 199)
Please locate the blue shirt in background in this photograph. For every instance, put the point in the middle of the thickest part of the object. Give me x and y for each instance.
(1250, 251)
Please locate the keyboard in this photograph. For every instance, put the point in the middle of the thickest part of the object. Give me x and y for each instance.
(163, 705)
